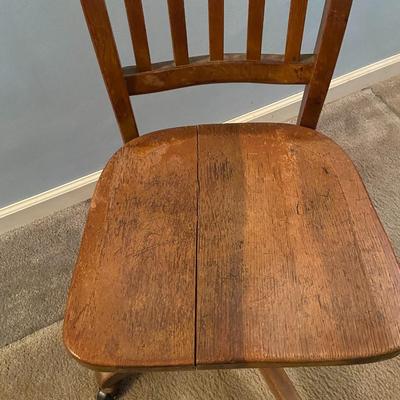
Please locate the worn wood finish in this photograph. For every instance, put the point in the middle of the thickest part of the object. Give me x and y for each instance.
(330, 36)
(132, 297)
(176, 10)
(293, 265)
(137, 26)
(216, 29)
(279, 384)
(106, 51)
(255, 28)
(234, 68)
(294, 38)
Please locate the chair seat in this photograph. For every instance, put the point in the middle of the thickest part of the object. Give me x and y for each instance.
(232, 245)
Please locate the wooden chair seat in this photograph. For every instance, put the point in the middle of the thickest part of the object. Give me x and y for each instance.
(232, 245)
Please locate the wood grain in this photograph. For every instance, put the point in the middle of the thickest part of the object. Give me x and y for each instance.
(294, 38)
(137, 26)
(177, 22)
(257, 242)
(234, 68)
(255, 25)
(216, 29)
(107, 55)
(132, 298)
(329, 41)
(294, 267)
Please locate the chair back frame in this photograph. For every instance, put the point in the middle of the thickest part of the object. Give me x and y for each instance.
(313, 70)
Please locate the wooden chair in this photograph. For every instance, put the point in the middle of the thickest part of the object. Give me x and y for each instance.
(229, 245)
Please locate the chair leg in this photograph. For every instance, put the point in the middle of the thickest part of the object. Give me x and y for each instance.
(109, 383)
(279, 384)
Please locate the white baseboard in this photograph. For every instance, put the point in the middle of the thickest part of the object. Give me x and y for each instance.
(80, 189)
(287, 108)
(46, 203)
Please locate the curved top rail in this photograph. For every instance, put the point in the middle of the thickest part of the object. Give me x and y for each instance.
(270, 68)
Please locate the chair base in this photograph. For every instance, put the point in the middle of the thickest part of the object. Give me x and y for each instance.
(279, 384)
(277, 380)
(110, 383)
(104, 396)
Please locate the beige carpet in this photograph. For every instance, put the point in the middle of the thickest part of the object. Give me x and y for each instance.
(36, 262)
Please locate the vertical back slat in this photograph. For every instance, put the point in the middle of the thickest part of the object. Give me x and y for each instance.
(176, 10)
(329, 41)
(107, 55)
(137, 26)
(297, 17)
(216, 29)
(255, 24)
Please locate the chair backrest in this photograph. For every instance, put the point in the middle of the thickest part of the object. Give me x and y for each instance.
(314, 70)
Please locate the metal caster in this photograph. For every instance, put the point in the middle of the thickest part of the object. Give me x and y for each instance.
(104, 396)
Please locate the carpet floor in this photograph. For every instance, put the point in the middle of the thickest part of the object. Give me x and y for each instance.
(36, 263)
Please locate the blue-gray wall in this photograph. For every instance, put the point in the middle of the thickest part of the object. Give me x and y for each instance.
(56, 123)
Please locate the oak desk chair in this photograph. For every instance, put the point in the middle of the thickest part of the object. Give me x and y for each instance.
(229, 245)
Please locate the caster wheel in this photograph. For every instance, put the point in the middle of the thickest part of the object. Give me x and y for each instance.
(104, 396)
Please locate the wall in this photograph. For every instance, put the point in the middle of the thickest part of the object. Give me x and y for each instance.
(56, 123)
